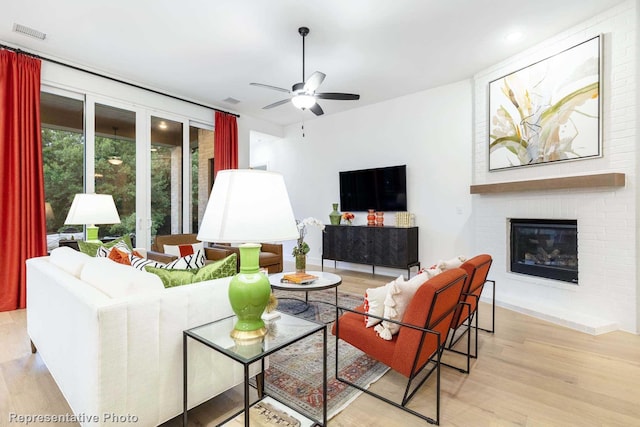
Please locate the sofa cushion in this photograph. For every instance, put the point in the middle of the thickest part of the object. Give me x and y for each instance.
(91, 248)
(176, 277)
(183, 250)
(117, 280)
(69, 260)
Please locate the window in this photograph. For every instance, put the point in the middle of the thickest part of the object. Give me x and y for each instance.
(63, 151)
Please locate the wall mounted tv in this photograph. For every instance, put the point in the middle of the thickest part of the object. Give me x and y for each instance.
(381, 189)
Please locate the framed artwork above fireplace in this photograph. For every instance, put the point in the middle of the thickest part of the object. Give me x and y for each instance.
(549, 111)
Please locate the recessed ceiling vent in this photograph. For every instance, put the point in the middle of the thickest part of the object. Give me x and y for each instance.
(231, 100)
(28, 31)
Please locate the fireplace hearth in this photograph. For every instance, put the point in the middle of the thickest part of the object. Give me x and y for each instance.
(545, 248)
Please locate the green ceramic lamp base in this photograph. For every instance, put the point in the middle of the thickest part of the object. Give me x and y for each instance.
(92, 234)
(249, 293)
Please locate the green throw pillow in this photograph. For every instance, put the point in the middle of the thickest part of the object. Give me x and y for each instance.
(171, 278)
(224, 268)
(216, 270)
(91, 248)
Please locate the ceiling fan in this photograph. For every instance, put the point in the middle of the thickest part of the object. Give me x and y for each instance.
(304, 95)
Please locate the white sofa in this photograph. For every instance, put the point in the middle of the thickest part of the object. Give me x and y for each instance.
(111, 336)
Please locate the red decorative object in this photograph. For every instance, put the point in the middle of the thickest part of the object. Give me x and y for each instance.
(371, 218)
(380, 219)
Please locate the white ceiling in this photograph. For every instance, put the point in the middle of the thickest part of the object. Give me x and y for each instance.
(209, 50)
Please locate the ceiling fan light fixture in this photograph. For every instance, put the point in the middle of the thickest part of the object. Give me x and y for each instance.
(303, 101)
(115, 160)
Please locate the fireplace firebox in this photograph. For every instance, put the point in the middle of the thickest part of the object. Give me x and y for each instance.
(545, 248)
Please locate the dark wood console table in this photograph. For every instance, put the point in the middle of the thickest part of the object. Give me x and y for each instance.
(394, 247)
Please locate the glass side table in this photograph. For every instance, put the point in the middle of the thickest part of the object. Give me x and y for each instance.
(290, 329)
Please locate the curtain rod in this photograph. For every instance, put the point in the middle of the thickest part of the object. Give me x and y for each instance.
(17, 50)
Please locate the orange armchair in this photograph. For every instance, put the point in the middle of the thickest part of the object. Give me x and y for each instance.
(419, 342)
(477, 269)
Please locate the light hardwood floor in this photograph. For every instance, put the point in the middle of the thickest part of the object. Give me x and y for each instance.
(529, 373)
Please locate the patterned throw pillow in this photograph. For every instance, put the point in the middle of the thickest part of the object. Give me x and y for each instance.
(188, 262)
(183, 250)
(216, 270)
(104, 251)
(141, 262)
(223, 268)
(91, 248)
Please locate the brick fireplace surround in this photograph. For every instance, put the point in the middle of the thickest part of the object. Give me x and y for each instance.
(606, 297)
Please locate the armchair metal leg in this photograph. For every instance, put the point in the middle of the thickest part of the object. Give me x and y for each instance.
(452, 342)
(493, 308)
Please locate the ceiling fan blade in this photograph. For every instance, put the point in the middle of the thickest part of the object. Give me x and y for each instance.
(276, 104)
(270, 87)
(314, 81)
(316, 109)
(338, 96)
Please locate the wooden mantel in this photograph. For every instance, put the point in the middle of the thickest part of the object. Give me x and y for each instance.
(580, 181)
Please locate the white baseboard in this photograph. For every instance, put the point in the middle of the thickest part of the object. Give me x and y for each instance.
(577, 321)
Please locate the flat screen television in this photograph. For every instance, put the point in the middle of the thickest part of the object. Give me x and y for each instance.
(381, 189)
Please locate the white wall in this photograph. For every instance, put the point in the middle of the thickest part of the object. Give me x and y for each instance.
(606, 296)
(428, 131)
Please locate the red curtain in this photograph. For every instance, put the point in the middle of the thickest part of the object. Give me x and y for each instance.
(225, 150)
(23, 232)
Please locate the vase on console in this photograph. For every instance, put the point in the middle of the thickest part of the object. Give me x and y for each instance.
(380, 219)
(335, 216)
(371, 217)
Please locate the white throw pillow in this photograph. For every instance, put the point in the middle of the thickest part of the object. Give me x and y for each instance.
(454, 262)
(118, 280)
(183, 250)
(396, 303)
(374, 302)
(430, 272)
(69, 260)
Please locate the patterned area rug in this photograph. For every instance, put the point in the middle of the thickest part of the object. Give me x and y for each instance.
(295, 373)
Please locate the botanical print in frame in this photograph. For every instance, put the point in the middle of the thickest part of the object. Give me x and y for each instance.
(548, 111)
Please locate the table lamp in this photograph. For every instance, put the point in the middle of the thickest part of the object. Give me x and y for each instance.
(247, 207)
(91, 209)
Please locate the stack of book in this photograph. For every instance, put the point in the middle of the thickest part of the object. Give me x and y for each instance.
(298, 278)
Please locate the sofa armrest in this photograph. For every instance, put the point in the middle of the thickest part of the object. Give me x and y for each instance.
(276, 248)
(161, 257)
(215, 254)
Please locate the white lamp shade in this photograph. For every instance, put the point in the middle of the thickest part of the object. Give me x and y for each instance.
(93, 209)
(248, 206)
(303, 101)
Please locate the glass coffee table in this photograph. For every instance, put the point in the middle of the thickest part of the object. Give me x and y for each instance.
(289, 330)
(324, 281)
